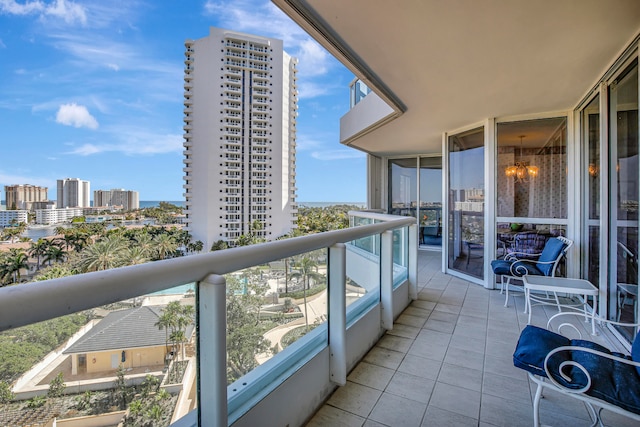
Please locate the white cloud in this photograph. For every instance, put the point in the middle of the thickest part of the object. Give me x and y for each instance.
(337, 154)
(114, 67)
(2, 45)
(69, 11)
(134, 142)
(76, 115)
(245, 16)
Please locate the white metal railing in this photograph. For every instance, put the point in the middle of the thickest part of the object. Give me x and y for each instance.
(27, 304)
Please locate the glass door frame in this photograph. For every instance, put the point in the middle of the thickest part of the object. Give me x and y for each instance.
(387, 183)
(608, 230)
(488, 126)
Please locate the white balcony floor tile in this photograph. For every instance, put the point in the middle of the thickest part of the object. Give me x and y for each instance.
(449, 362)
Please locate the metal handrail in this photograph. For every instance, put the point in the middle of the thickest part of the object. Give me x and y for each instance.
(34, 302)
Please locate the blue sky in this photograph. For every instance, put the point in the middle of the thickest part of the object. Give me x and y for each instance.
(94, 89)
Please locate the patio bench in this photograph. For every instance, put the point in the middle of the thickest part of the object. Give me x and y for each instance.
(582, 369)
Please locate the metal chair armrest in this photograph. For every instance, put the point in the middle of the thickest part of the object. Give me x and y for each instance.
(571, 363)
(586, 316)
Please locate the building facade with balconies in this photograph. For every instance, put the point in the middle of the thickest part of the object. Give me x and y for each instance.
(23, 196)
(128, 199)
(73, 193)
(240, 107)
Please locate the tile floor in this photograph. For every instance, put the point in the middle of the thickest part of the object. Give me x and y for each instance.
(448, 362)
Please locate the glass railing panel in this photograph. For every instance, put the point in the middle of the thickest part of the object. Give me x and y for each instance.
(370, 244)
(276, 317)
(363, 276)
(400, 256)
(137, 355)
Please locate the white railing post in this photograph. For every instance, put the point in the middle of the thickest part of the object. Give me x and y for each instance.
(413, 261)
(386, 279)
(212, 351)
(337, 314)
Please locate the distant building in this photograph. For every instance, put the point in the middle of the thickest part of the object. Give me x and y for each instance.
(12, 217)
(73, 193)
(57, 216)
(47, 204)
(23, 196)
(129, 200)
(240, 136)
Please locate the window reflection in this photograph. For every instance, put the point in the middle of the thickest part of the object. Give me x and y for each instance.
(532, 168)
(466, 203)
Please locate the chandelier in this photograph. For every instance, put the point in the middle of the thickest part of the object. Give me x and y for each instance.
(520, 170)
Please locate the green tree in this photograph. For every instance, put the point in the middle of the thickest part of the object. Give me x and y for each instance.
(306, 270)
(53, 272)
(175, 319)
(38, 250)
(245, 334)
(103, 255)
(6, 395)
(10, 233)
(11, 263)
(121, 393)
(219, 245)
(134, 255)
(57, 386)
(165, 245)
(54, 253)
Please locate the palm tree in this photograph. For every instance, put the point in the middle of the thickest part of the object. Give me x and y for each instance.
(39, 249)
(198, 245)
(306, 269)
(145, 242)
(166, 321)
(54, 253)
(14, 261)
(104, 254)
(165, 245)
(134, 255)
(10, 233)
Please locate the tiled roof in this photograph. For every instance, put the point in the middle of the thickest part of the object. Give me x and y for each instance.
(124, 329)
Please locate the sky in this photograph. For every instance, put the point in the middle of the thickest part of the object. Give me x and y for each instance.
(93, 89)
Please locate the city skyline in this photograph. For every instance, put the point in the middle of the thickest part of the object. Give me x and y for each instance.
(96, 91)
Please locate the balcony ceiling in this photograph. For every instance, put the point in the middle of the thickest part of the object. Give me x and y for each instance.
(449, 64)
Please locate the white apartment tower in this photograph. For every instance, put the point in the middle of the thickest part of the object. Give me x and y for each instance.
(73, 193)
(241, 103)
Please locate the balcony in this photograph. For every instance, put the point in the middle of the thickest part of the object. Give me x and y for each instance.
(451, 341)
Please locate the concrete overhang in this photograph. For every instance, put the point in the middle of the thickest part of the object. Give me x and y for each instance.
(441, 65)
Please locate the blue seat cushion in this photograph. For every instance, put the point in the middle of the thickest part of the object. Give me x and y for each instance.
(503, 266)
(552, 250)
(635, 351)
(612, 381)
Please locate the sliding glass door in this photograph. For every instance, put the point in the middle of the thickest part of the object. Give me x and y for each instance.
(624, 193)
(415, 189)
(465, 209)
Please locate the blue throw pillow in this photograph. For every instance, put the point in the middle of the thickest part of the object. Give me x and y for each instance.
(551, 251)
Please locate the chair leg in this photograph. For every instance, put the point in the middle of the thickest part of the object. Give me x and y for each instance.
(506, 286)
(536, 406)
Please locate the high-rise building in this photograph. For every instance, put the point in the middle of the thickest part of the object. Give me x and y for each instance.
(241, 102)
(73, 193)
(128, 199)
(23, 196)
